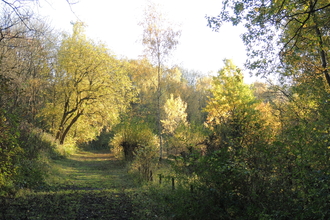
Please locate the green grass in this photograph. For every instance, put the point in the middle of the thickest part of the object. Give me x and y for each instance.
(68, 204)
(91, 170)
(85, 185)
(88, 185)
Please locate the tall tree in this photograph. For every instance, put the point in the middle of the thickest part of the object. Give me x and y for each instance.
(145, 85)
(237, 118)
(159, 39)
(296, 32)
(175, 110)
(89, 85)
(231, 106)
(27, 62)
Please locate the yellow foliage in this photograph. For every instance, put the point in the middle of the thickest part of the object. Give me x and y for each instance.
(175, 110)
(90, 88)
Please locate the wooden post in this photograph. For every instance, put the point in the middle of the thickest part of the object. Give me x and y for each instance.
(160, 179)
(173, 186)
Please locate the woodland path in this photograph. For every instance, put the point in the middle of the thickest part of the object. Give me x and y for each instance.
(86, 185)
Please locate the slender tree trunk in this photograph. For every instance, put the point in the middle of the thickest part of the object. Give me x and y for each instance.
(74, 120)
(158, 113)
(160, 40)
(61, 125)
(322, 52)
(323, 57)
(58, 134)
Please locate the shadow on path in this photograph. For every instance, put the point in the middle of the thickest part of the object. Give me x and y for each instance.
(87, 185)
(93, 170)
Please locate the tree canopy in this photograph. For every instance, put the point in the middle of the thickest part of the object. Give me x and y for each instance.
(159, 39)
(231, 150)
(88, 83)
(282, 36)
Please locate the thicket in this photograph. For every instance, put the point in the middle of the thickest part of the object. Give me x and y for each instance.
(228, 150)
(25, 158)
(135, 142)
(263, 159)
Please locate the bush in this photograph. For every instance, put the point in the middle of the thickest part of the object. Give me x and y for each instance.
(10, 151)
(136, 143)
(265, 182)
(131, 136)
(33, 164)
(145, 158)
(25, 156)
(184, 137)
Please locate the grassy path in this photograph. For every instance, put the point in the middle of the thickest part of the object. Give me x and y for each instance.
(87, 185)
(92, 170)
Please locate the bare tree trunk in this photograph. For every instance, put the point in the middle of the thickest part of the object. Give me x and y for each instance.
(61, 125)
(74, 120)
(322, 52)
(158, 113)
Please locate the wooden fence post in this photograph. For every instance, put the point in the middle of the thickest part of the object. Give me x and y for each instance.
(160, 179)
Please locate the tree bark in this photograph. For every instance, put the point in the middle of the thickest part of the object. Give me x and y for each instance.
(158, 111)
(322, 52)
(74, 120)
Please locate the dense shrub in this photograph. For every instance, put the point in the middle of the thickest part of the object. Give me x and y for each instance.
(184, 137)
(274, 181)
(25, 156)
(130, 137)
(10, 151)
(136, 143)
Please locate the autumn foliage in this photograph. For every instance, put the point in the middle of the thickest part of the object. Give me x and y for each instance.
(235, 150)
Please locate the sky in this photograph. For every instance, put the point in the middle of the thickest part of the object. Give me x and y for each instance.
(115, 23)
